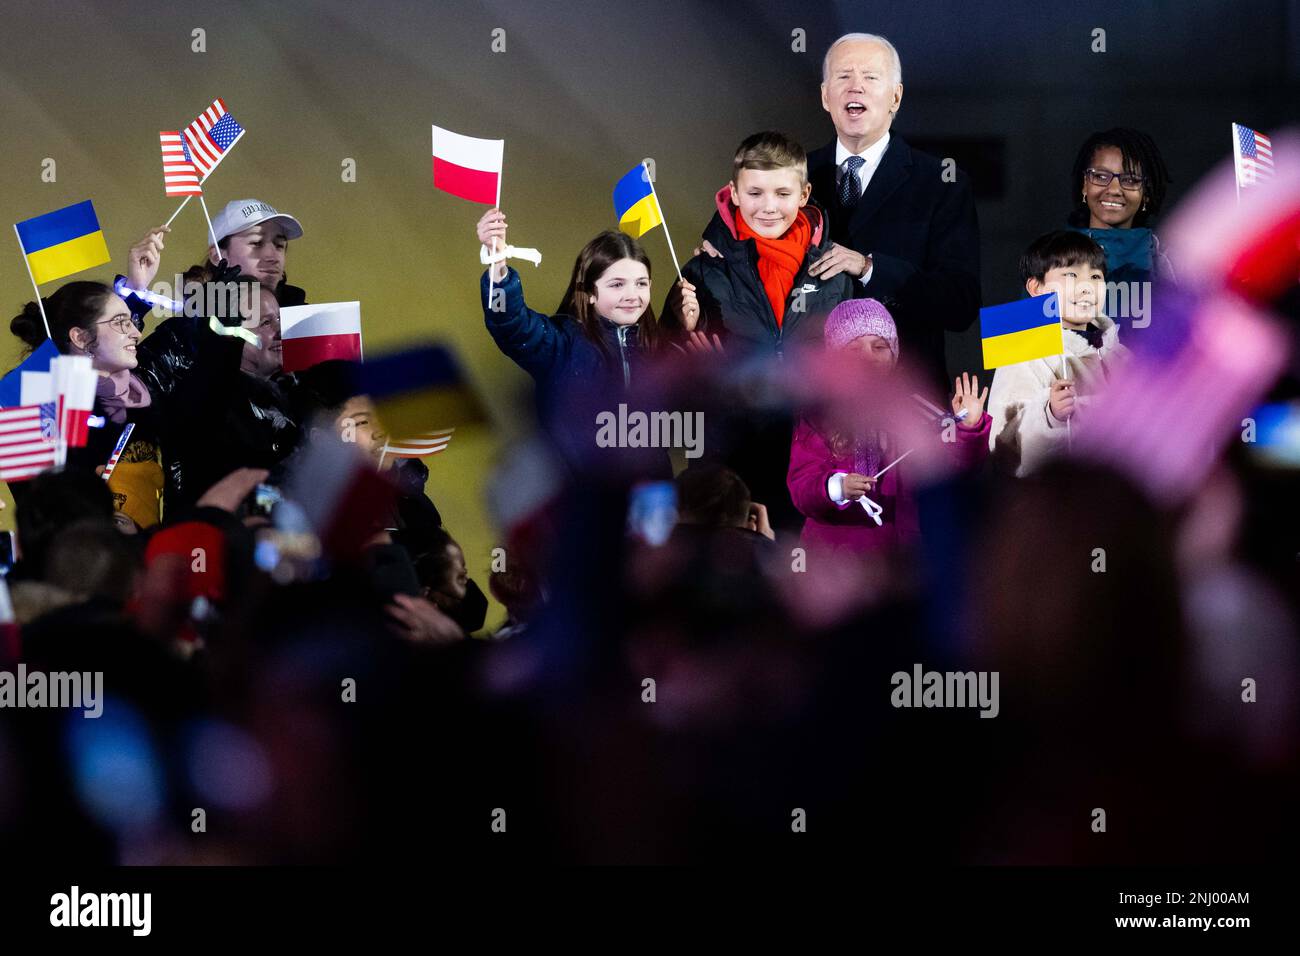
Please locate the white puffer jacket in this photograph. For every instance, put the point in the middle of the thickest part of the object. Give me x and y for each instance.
(1024, 432)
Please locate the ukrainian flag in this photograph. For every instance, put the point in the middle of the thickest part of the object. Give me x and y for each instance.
(635, 205)
(1021, 331)
(418, 390)
(62, 242)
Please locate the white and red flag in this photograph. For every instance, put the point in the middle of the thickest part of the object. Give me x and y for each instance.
(73, 380)
(468, 167)
(180, 176)
(316, 333)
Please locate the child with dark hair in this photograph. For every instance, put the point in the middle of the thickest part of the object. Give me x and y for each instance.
(713, 496)
(604, 324)
(1033, 403)
(328, 396)
(444, 580)
(586, 356)
(50, 503)
(1120, 180)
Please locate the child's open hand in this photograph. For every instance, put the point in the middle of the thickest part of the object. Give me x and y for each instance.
(492, 233)
(697, 343)
(967, 397)
(1060, 401)
(855, 486)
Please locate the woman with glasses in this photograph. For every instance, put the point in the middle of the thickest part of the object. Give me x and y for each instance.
(89, 318)
(1118, 186)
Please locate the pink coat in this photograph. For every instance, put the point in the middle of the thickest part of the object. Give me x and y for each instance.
(848, 526)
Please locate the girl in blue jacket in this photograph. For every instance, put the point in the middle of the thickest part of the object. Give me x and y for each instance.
(592, 348)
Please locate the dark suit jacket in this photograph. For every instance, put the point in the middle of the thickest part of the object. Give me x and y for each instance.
(922, 235)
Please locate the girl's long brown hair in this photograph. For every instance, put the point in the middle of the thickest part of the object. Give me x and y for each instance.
(595, 257)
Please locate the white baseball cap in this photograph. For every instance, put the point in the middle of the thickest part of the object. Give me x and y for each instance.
(241, 214)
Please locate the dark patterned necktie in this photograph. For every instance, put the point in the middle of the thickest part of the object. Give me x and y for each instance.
(850, 188)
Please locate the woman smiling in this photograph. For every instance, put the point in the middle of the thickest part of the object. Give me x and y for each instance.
(1119, 181)
(89, 318)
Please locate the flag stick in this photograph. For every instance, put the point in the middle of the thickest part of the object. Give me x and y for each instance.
(893, 463)
(1065, 377)
(212, 233)
(492, 266)
(1236, 162)
(179, 208)
(663, 221)
(39, 304)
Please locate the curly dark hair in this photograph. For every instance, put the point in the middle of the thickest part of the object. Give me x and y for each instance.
(1140, 156)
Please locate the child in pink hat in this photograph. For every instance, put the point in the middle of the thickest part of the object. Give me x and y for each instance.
(836, 479)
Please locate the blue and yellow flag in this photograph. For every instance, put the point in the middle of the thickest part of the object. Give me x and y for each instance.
(419, 389)
(1021, 331)
(62, 242)
(635, 205)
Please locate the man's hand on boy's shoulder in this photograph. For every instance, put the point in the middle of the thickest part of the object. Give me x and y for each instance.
(707, 249)
(840, 259)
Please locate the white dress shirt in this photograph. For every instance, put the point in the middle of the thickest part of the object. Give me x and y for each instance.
(871, 157)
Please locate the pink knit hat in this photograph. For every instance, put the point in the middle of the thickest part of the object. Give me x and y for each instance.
(855, 318)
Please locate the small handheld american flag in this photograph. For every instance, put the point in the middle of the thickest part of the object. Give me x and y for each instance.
(210, 137)
(1252, 155)
(117, 450)
(180, 177)
(27, 445)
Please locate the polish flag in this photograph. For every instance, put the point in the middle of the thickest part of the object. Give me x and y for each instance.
(467, 167)
(73, 380)
(317, 333)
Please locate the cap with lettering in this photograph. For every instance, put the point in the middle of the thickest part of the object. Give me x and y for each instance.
(244, 214)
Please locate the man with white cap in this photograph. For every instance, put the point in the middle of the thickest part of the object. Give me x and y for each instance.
(255, 236)
(251, 235)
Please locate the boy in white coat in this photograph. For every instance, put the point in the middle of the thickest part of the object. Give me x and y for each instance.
(1035, 404)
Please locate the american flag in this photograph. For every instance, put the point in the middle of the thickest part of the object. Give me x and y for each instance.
(1253, 154)
(26, 441)
(117, 450)
(180, 177)
(210, 137)
(429, 443)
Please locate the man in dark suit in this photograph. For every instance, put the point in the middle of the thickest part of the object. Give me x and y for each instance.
(903, 221)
